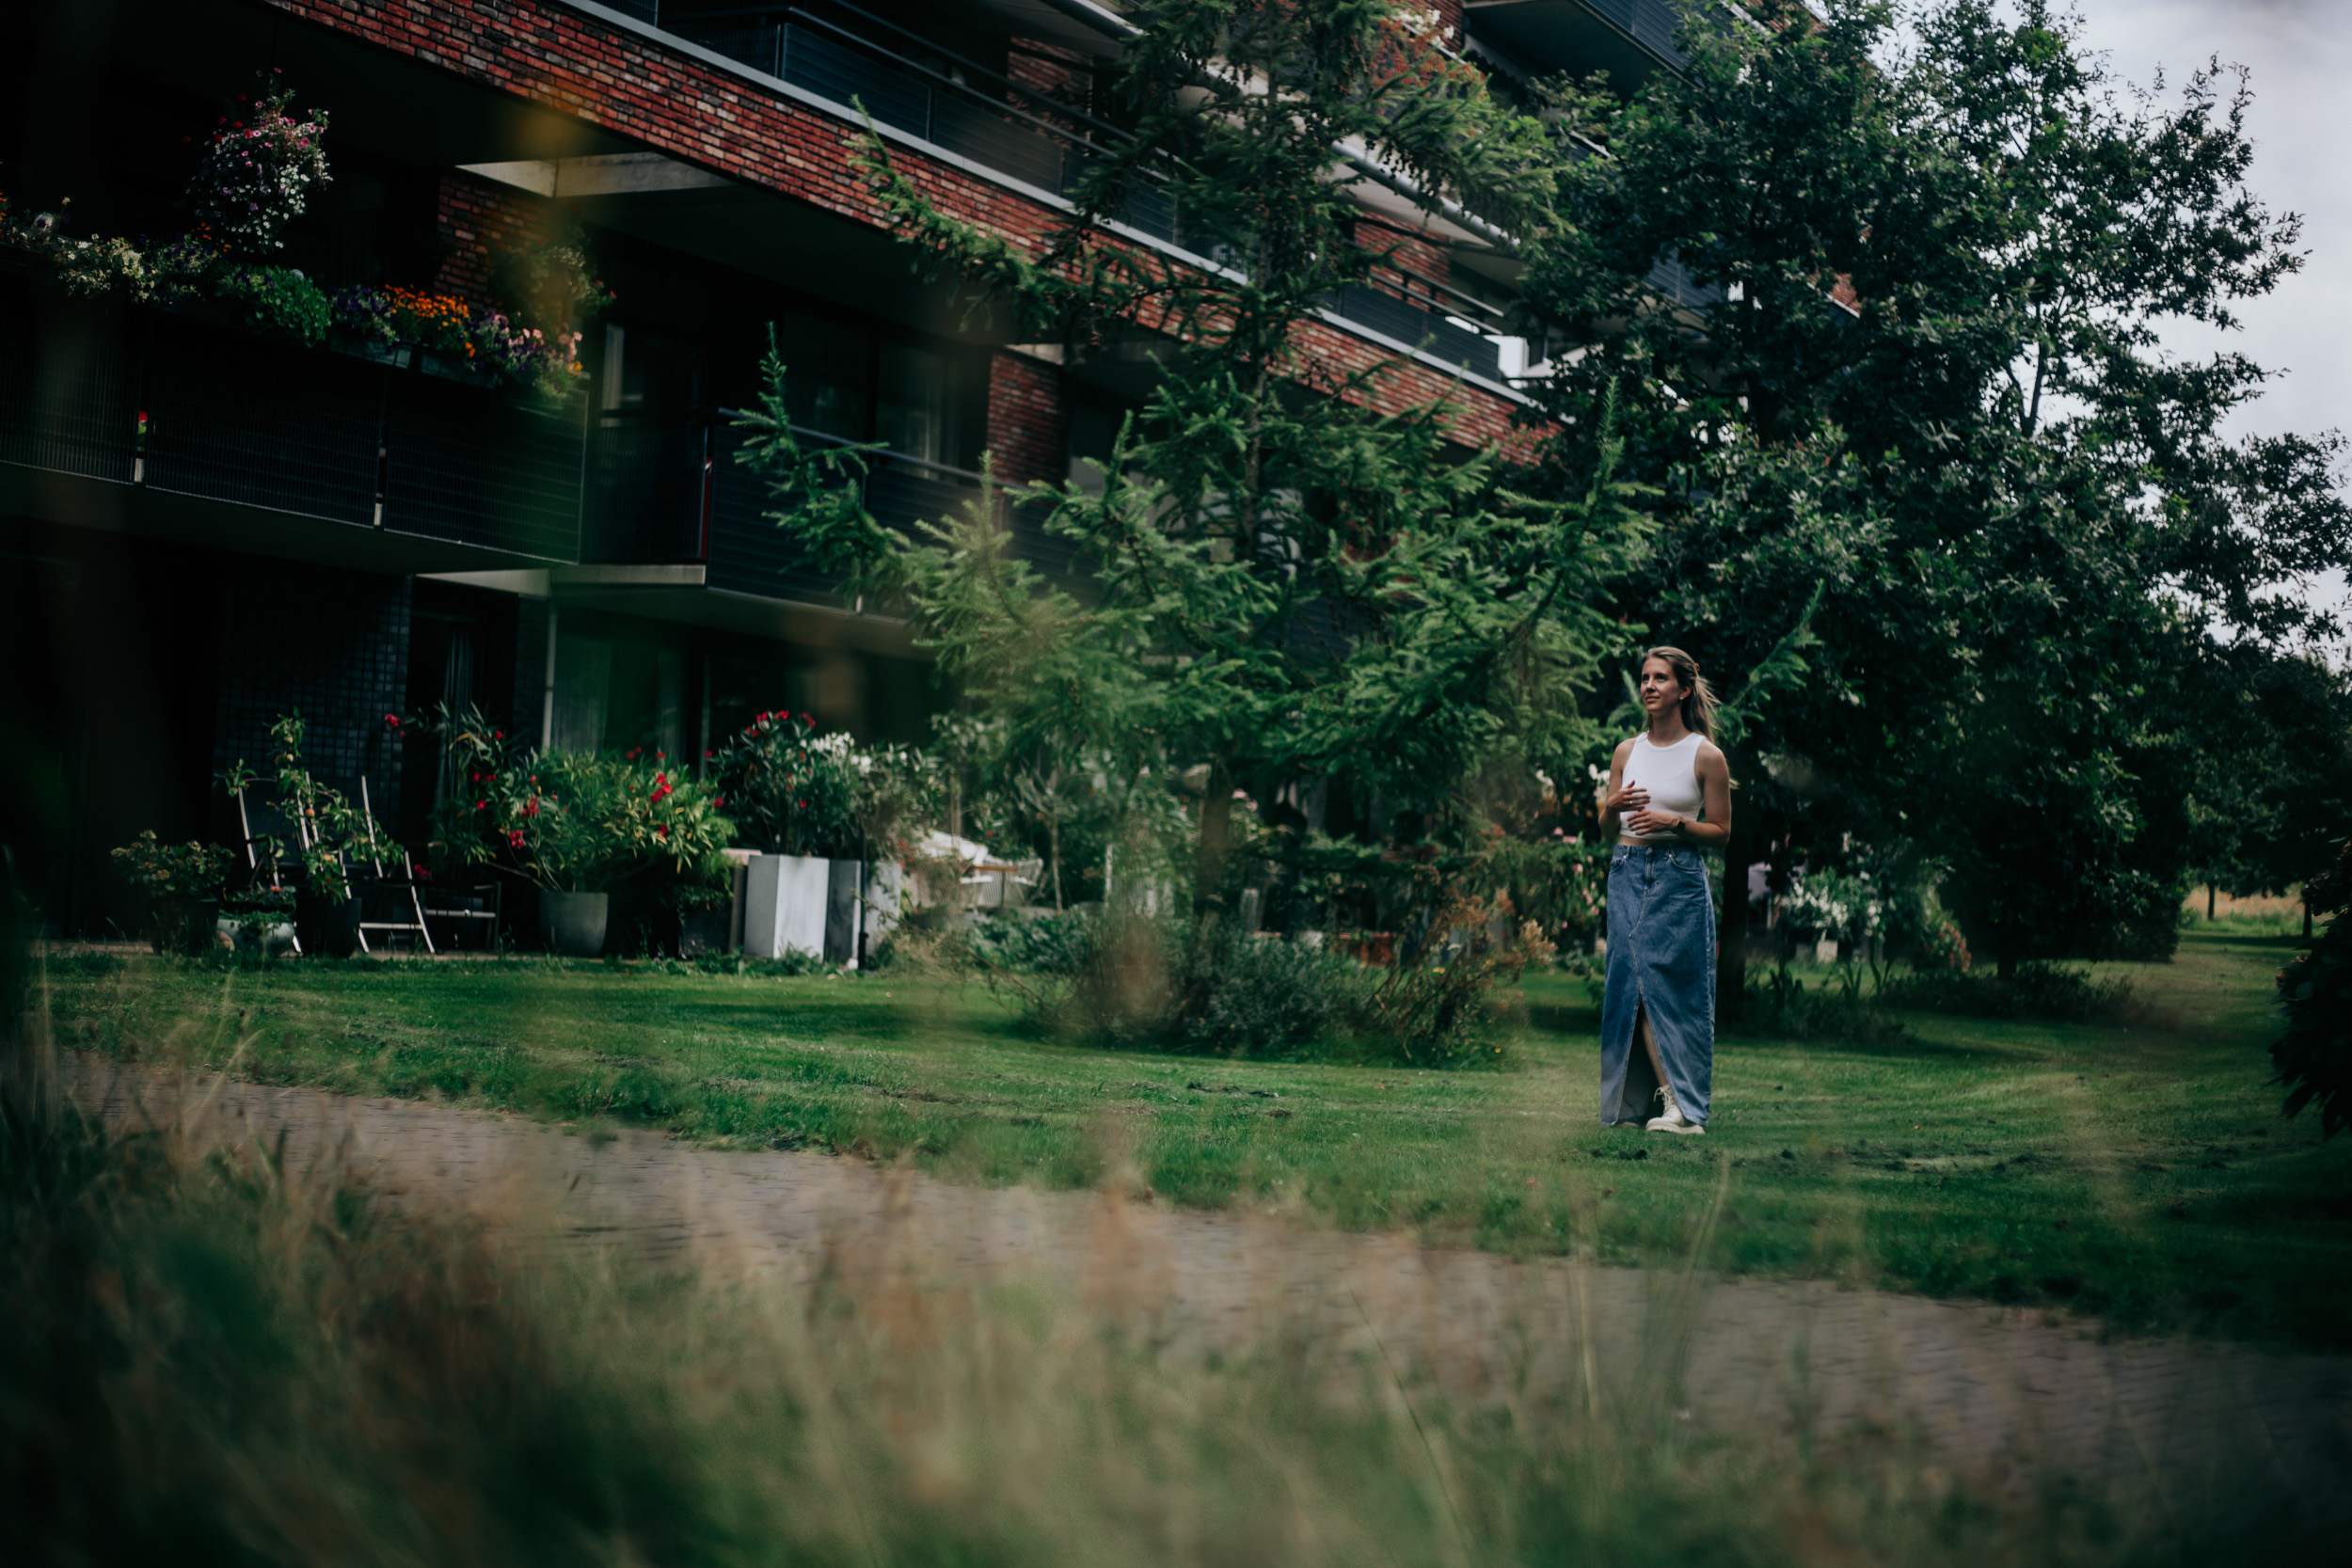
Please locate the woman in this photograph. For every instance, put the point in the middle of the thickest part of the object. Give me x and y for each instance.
(1669, 794)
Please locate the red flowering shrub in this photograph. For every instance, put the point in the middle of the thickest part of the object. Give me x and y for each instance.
(579, 821)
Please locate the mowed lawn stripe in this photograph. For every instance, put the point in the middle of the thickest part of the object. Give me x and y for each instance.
(2139, 1173)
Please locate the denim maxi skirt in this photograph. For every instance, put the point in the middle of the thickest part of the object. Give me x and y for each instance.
(1661, 959)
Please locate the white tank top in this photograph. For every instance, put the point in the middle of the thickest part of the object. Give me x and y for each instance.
(1670, 774)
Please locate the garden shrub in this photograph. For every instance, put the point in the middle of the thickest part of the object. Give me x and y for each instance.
(2051, 992)
(1226, 994)
(2314, 1057)
(1268, 998)
(1782, 1005)
(1042, 944)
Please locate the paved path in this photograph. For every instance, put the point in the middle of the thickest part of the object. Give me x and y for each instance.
(2002, 1398)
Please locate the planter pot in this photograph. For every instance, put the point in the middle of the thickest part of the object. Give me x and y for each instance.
(274, 941)
(186, 925)
(575, 921)
(703, 931)
(455, 367)
(395, 355)
(330, 927)
(883, 903)
(844, 884)
(786, 899)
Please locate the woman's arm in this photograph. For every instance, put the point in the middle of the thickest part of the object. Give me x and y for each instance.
(1620, 802)
(1714, 775)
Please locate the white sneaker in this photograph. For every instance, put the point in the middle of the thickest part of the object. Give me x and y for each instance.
(1674, 1120)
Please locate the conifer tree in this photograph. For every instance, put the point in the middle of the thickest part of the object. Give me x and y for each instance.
(1283, 571)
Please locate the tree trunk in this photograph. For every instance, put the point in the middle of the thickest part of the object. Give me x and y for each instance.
(2008, 969)
(1216, 819)
(2209, 897)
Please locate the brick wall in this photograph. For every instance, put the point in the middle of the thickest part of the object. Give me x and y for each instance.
(1028, 427)
(579, 66)
(477, 219)
(1416, 249)
(333, 646)
(1061, 75)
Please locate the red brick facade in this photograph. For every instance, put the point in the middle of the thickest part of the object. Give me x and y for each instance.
(701, 114)
(477, 220)
(1028, 428)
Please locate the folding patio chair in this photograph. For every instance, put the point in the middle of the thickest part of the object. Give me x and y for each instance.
(405, 883)
(252, 843)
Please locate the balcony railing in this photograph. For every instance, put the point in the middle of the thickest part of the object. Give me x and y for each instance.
(171, 403)
(852, 58)
(1651, 24)
(674, 495)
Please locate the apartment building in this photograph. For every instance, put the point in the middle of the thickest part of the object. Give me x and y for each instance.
(203, 529)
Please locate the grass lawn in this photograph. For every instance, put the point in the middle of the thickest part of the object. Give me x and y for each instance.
(2139, 1173)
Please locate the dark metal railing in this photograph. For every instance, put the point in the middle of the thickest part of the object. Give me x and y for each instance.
(992, 119)
(179, 405)
(674, 494)
(1651, 24)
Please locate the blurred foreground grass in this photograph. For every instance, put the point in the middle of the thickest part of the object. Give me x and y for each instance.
(209, 1358)
(2139, 1173)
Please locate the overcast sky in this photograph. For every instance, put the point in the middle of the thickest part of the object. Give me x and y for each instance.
(2300, 55)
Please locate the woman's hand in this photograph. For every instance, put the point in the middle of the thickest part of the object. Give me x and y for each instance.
(1625, 800)
(1650, 824)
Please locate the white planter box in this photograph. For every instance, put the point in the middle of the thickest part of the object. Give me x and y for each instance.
(783, 905)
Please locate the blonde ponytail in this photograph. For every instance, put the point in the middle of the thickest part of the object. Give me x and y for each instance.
(1698, 704)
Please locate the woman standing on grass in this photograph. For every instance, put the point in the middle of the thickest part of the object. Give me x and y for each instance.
(1669, 792)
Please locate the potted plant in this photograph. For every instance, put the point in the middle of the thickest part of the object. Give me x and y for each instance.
(794, 795)
(319, 834)
(181, 887)
(578, 826)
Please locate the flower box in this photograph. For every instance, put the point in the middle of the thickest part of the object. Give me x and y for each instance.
(456, 367)
(395, 355)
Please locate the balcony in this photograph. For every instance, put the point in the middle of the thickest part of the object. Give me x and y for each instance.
(852, 60)
(675, 495)
(172, 406)
(1632, 39)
